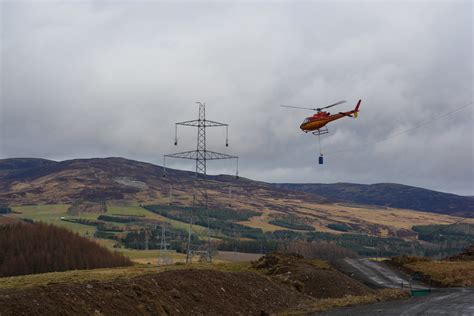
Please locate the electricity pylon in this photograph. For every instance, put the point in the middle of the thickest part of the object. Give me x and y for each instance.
(164, 257)
(201, 155)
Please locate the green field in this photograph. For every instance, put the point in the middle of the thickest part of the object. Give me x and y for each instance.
(52, 214)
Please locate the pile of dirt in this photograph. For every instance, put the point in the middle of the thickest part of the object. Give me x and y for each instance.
(312, 277)
(466, 255)
(178, 292)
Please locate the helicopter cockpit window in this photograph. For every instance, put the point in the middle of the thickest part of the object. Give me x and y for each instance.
(306, 120)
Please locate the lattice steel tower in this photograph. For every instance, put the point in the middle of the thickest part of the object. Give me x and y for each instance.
(201, 155)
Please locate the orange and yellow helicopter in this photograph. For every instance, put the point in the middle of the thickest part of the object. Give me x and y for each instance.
(319, 120)
(316, 124)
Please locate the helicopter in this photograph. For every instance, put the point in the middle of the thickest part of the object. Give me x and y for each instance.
(316, 124)
(319, 120)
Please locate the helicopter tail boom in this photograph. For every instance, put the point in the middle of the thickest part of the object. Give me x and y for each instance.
(357, 106)
(356, 110)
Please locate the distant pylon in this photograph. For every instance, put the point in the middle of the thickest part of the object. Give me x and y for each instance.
(164, 256)
(201, 155)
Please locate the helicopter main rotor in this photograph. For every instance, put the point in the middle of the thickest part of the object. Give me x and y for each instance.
(316, 109)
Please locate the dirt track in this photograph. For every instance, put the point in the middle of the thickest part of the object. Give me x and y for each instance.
(182, 292)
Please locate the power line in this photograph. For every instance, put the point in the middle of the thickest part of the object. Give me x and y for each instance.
(373, 142)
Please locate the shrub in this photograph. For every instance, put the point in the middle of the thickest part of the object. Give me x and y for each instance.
(291, 222)
(339, 227)
(5, 210)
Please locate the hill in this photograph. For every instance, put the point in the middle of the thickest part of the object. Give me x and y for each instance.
(26, 181)
(37, 248)
(390, 195)
(115, 198)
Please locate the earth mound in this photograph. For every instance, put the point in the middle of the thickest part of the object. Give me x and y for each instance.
(312, 277)
(178, 292)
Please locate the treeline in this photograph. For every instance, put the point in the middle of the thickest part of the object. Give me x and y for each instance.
(260, 246)
(363, 245)
(291, 222)
(440, 233)
(5, 210)
(222, 222)
(183, 212)
(118, 219)
(339, 227)
(39, 248)
(324, 250)
(101, 225)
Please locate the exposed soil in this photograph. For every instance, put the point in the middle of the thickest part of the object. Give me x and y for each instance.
(180, 292)
(312, 277)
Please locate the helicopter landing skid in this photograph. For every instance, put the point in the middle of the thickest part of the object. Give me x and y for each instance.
(320, 131)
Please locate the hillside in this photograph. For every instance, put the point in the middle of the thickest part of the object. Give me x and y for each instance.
(37, 181)
(390, 195)
(114, 198)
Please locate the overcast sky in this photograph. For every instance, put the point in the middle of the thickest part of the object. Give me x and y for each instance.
(98, 79)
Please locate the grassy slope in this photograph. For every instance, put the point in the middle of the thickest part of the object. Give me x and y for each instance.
(52, 214)
(80, 276)
(446, 273)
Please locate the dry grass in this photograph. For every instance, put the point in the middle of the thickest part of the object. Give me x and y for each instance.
(320, 264)
(322, 305)
(446, 273)
(388, 217)
(371, 220)
(262, 223)
(80, 276)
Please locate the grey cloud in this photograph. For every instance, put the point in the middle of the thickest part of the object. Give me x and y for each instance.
(85, 79)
